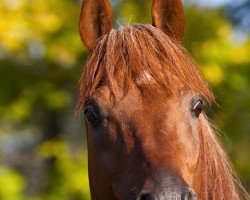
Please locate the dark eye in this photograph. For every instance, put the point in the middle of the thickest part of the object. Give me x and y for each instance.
(92, 114)
(197, 106)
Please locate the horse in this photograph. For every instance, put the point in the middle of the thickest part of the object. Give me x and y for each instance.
(143, 97)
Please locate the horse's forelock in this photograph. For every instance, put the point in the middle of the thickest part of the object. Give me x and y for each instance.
(124, 55)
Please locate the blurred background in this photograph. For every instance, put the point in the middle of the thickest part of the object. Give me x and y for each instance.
(42, 143)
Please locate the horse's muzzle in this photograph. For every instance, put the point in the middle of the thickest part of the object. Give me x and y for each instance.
(187, 194)
(166, 186)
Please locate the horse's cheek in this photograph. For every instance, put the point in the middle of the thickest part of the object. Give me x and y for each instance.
(107, 163)
(191, 146)
(100, 145)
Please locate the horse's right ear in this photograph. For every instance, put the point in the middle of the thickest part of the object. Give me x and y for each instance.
(95, 21)
(168, 15)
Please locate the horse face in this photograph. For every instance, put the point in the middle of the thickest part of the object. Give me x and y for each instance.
(147, 146)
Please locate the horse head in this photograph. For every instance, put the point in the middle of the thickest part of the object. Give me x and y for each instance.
(143, 96)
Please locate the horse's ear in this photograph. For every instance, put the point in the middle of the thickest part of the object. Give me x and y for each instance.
(95, 20)
(168, 15)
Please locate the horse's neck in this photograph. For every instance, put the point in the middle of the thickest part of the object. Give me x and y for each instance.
(214, 180)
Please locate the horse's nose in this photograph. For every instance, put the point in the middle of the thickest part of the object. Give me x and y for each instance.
(187, 194)
(165, 185)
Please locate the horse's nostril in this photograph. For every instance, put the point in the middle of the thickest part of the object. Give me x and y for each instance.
(189, 195)
(146, 197)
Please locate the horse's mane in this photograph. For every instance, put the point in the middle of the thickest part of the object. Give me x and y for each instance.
(217, 180)
(123, 55)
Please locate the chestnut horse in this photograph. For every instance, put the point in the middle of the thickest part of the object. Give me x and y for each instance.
(143, 96)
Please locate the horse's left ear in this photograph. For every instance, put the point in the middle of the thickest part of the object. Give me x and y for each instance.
(95, 20)
(168, 15)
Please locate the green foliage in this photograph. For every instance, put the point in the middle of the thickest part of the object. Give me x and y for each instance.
(12, 184)
(68, 177)
(40, 62)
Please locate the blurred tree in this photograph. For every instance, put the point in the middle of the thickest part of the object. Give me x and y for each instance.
(42, 143)
(39, 72)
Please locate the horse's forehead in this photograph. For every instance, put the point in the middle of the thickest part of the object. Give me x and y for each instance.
(143, 91)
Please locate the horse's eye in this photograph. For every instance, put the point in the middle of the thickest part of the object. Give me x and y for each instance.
(197, 107)
(92, 115)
